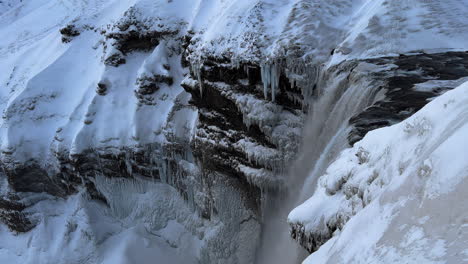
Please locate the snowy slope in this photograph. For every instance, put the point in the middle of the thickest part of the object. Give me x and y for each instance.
(314, 29)
(398, 194)
(51, 85)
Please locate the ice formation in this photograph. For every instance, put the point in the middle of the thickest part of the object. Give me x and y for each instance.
(196, 69)
(270, 78)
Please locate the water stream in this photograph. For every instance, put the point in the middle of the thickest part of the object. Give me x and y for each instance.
(342, 92)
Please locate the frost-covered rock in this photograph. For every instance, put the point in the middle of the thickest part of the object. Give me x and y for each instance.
(408, 83)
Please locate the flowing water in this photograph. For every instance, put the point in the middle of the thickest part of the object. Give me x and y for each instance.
(341, 93)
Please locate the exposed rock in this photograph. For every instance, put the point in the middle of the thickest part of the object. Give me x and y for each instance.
(30, 177)
(402, 99)
(69, 32)
(101, 88)
(135, 40)
(115, 59)
(147, 85)
(235, 143)
(132, 34)
(11, 214)
(311, 242)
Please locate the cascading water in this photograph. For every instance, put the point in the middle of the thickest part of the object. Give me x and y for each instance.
(341, 92)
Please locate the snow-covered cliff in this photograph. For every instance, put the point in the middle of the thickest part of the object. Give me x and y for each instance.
(171, 129)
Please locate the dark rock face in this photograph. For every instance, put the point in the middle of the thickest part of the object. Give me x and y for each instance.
(218, 89)
(132, 40)
(151, 161)
(311, 242)
(101, 88)
(401, 99)
(129, 35)
(11, 214)
(125, 163)
(30, 177)
(69, 32)
(148, 85)
(115, 59)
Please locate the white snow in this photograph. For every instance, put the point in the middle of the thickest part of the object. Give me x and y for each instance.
(432, 84)
(255, 30)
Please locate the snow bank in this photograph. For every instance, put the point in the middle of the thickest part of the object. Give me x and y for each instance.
(398, 193)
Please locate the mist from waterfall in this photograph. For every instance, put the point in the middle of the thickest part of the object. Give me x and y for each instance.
(340, 93)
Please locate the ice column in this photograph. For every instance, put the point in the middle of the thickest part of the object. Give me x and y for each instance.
(270, 78)
(196, 69)
(265, 73)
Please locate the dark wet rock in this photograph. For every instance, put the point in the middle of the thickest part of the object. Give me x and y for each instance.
(311, 242)
(132, 34)
(115, 59)
(12, 215)
(148, 85)
(136, 41)
(125, 162)
(216, 87)
(401, 98)
(30, 177)
(69, 32)
(102, 88)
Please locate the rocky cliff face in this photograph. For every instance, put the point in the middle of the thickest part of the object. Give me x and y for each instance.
(410, 83)
(133, 95)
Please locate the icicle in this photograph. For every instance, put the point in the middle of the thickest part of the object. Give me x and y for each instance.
(274, 82)
(237, 63)
(270, 74)
(196, 69)
(265, 74)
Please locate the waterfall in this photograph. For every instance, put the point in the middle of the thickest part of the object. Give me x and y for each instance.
(342, 92)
